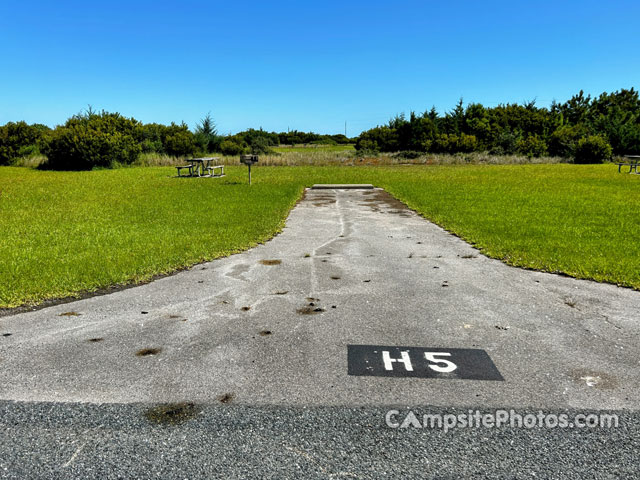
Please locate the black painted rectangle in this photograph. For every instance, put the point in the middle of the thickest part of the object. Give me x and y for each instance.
(421, 362)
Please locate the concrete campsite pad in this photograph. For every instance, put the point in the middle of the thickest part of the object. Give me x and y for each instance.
(287, 322)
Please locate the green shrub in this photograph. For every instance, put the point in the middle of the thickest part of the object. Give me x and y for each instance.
(532, 146)
(230, 147)
(18, 139)
(80, 147)
(152, 135)
(259, 145)
(152, 146)
(383, 139)
(466, 143)
(180, 143)
(367, 146)
(506, 143)
(562, 142)
(452, 143)
(93, 140)
(592, 149)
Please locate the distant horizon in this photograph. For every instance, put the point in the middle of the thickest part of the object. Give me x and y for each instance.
(288, 66)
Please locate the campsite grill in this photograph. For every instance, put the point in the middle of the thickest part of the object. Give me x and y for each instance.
(249, 160)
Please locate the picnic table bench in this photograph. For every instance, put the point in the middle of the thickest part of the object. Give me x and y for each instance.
(197, 167)
(632, 163)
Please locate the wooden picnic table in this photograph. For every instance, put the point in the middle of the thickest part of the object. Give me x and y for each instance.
(202, 164)
(198, 166)
(632, 163)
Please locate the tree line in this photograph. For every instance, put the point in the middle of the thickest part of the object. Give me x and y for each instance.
(103, 139)
(583, 128)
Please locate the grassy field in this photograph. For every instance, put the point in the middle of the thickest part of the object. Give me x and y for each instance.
(68, 232)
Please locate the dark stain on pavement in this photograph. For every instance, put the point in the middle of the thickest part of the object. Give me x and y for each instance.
(226, 398)
(95, 340)
(146, 352)
(310, 310)
(69, 314)
(264, 333)
(323, 201)
(172, 413)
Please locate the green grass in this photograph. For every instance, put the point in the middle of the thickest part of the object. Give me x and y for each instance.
(66, 232)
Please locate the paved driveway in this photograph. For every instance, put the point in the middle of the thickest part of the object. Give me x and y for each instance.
(353, 276)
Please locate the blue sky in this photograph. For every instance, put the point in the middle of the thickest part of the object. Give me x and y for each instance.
(306, 65)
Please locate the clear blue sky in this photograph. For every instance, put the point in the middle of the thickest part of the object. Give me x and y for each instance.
(306, 65)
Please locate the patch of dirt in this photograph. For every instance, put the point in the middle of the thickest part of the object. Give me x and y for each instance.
(69, 314)
(172, 413)
(264, 333)
(270, 262)
(245, 309)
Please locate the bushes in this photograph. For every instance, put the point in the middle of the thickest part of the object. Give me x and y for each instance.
(562, 142)
(94, 140)
(18, 139)
(378, 139)
(512, 128)
(231, 147)
(178, 141)
(592, 149)
(532, 146)
(451, 143)
(81, 147)
(506, 143)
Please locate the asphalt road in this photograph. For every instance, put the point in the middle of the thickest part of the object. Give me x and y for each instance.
(241, 367)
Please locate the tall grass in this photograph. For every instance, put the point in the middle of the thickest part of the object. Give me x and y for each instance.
(309, 156)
